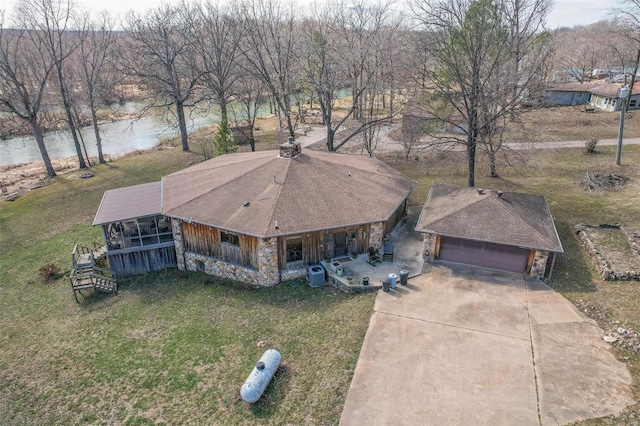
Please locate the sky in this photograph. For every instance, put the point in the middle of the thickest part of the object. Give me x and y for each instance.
(565, 13)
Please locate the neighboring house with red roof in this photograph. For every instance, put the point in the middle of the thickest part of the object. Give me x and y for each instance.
(260, 217)
(501, 230)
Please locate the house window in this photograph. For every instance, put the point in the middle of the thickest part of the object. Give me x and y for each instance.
(294, 249)
(229, 238)
(200, 266)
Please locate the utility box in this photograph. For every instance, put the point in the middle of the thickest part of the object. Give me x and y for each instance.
(316, 276)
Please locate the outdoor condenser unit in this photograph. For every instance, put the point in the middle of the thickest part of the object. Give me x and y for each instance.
(316, 276)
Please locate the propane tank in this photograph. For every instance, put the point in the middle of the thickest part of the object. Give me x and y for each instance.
(260, 376)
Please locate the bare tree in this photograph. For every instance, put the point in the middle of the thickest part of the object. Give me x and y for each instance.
(218, 41)
(95, 56)
(269, 46)
(249, 96)
(164, 58)
(49, 22)
(472, 79)
(525, 19)
(346, 47)
(25, 69)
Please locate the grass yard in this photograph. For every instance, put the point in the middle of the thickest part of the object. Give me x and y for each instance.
(171, 348)
(174, 348)
(573, 124)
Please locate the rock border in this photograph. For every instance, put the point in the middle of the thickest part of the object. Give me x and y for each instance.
(603, 267)
(625, 337)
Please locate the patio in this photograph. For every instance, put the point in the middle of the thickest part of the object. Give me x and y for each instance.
(407, 255)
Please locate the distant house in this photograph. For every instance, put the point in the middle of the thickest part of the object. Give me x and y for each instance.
(258, 217)
(501, 230)
(604, 96)
(607, 97)
(565, 94)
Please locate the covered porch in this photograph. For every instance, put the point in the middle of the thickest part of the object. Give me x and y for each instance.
(407, 255)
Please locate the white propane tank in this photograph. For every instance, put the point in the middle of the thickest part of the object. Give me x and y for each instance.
(260, 376)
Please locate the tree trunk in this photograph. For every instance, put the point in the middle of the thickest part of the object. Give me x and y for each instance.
(67, 109)
(37, 134)
(222, 103)
(182, 124)
(96, 130)
(330, 136)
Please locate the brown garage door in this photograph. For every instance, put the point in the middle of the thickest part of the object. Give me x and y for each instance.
(479, 253)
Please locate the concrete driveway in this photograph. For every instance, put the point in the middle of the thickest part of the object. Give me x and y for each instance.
(467, 345)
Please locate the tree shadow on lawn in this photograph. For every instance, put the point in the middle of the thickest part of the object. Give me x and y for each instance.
(572, 272)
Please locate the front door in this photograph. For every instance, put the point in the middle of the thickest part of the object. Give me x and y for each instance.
(340, 248)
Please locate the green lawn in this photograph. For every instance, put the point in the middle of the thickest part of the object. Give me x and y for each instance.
(174, 348)
(171, 348)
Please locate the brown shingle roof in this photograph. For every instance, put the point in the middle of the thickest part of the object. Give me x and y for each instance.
(610, 90)
(573, 87)
(516, 219)
(128, 203)
(312, 191)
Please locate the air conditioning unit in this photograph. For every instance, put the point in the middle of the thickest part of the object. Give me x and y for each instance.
(316, 276)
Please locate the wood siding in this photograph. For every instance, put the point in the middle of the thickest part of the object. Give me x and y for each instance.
(201, 239)
(205, 240)
(312, 248)
(139, 262)
(395, 217)
(249, 251)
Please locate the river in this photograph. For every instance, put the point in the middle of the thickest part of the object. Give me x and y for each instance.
(119, 137)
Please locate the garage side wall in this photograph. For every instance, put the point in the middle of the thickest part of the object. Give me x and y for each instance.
(430, 246)
(539, 265)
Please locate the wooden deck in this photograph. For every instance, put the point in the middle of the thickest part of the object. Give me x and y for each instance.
(88, 271)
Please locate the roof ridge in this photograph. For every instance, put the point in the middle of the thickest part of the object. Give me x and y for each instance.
(455, 211)
(350, 194)
(279, 191)
(527, 224)
(223, 185)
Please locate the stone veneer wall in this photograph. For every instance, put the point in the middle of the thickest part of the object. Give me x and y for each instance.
(268, 261)
(376, 234)
(291, 274)
(222, 269)
(539, 264)
(429, 246)
(176, 228)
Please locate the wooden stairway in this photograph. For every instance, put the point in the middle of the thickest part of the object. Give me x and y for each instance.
(86, 274)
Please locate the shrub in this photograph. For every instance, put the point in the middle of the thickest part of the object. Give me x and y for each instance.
(591, 145)
(49, 272)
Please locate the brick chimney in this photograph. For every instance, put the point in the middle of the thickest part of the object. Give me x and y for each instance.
(290, 148)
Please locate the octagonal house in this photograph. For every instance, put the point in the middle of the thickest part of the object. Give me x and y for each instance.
(263, 217)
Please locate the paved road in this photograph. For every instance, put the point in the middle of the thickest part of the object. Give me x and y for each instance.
(319, 134)
(466, 345)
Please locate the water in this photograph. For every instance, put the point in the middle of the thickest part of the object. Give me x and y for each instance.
(118, 138)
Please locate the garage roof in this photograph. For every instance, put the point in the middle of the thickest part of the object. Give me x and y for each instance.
(509, 218)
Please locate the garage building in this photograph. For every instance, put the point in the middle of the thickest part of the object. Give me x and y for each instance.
(502, 230)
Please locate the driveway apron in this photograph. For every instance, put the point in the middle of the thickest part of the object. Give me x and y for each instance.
(468, 345)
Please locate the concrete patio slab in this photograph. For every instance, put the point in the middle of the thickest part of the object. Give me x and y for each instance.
(468, 345)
